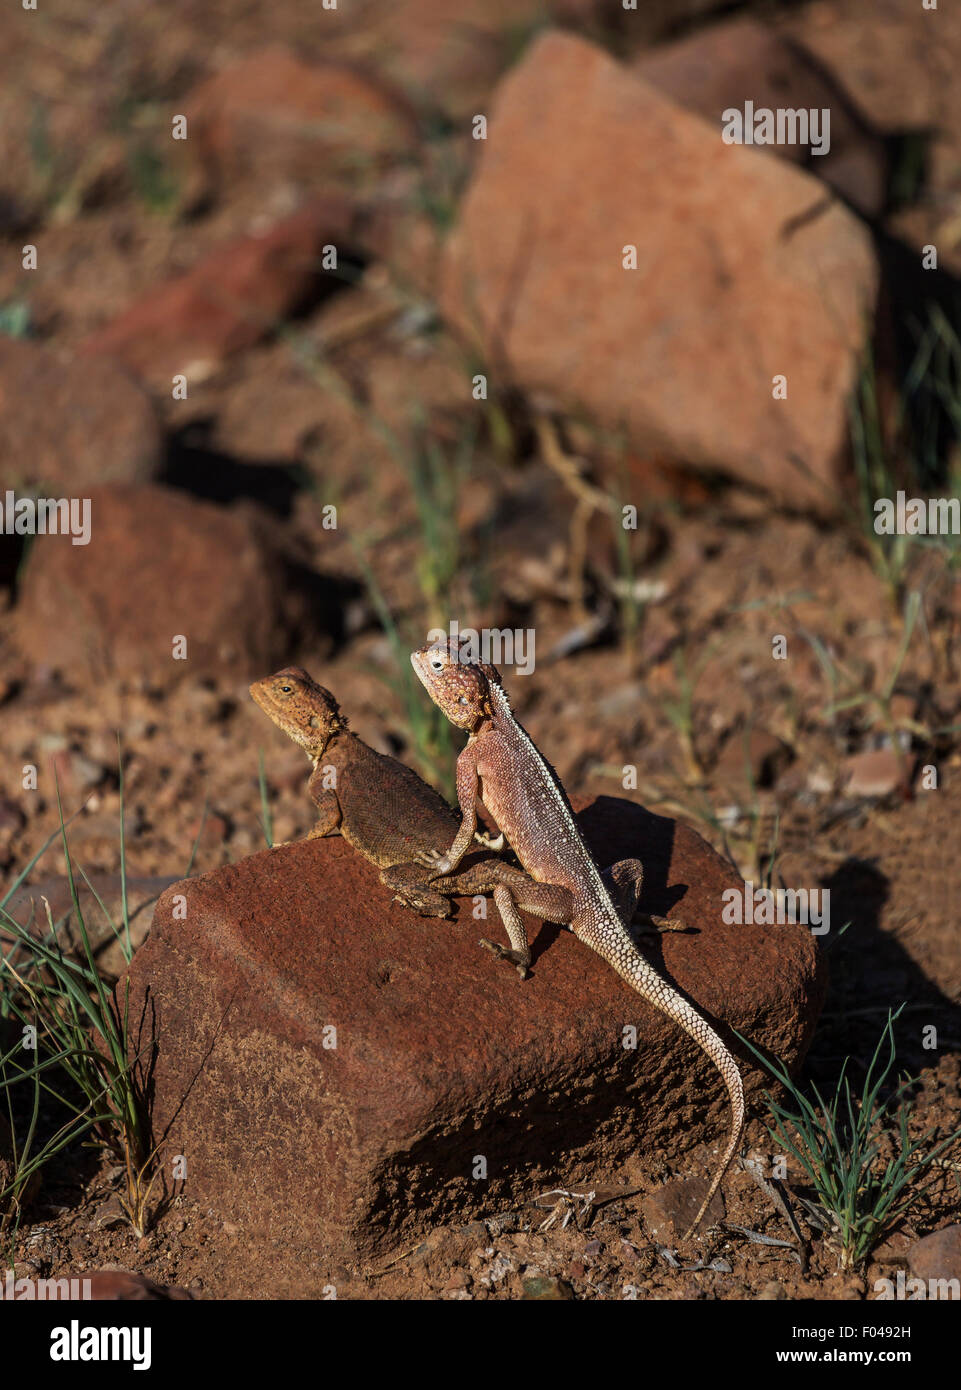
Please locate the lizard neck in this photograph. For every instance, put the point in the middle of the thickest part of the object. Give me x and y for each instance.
(324, 749)
(502, 716)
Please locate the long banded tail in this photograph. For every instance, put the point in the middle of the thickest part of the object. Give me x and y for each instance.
(619, 950)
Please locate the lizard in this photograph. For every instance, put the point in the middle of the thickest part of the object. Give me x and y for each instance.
(501, 765)
(379, 805)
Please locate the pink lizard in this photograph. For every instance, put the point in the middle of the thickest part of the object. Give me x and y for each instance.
(501, 766)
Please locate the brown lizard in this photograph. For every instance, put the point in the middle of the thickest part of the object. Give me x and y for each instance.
(379, 805)
(501, 765)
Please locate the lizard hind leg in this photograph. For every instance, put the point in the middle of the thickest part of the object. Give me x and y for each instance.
(623, 881)
(520, 953)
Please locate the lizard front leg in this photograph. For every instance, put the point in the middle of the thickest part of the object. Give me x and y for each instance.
(329, 816)
(467, 787)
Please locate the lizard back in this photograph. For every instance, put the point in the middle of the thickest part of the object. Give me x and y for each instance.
(389, 813)
(527, 801)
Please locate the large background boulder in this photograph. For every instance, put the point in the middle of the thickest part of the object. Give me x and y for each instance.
(681, 352)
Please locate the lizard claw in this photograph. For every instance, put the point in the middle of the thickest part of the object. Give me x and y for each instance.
(515, 957)
(435, 861)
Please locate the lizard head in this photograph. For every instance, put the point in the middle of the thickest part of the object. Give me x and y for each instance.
(459, 688)
(305, 711)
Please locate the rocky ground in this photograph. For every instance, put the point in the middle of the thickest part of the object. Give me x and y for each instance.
(287, 460)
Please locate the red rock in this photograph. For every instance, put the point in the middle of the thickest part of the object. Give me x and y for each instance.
(235, 296)
(440, 1055)
(901, 70)
(937, 1256)
(741, 60)
(753, 754)
(68, 425)
(744, 273)
(273, 116)
(457, 63)
(159, 565)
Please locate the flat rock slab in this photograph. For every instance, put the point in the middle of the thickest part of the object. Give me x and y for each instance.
(357, 1139)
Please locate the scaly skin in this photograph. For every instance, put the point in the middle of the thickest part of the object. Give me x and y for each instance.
(380, 806)
(524, 795)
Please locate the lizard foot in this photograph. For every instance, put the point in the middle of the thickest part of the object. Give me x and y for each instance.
(647, 922)
(491, 842)
(439, 864)
(431, 905)
(515, 957)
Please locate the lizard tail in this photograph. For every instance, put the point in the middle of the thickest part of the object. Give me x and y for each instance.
(618, 949)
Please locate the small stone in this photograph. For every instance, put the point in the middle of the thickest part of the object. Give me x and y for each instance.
(937, 1256)
(113, 1282)
(498, 1270)
(669, 1211)
(110, 1215)
(544, 1289)
(875, 773)
(86, 772)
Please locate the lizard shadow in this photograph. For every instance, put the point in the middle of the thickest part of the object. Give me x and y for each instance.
(615, 828)
(872, 972)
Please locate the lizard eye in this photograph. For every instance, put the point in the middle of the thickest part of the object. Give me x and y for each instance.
(463, 700)
(436, 664)
(286, 689)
